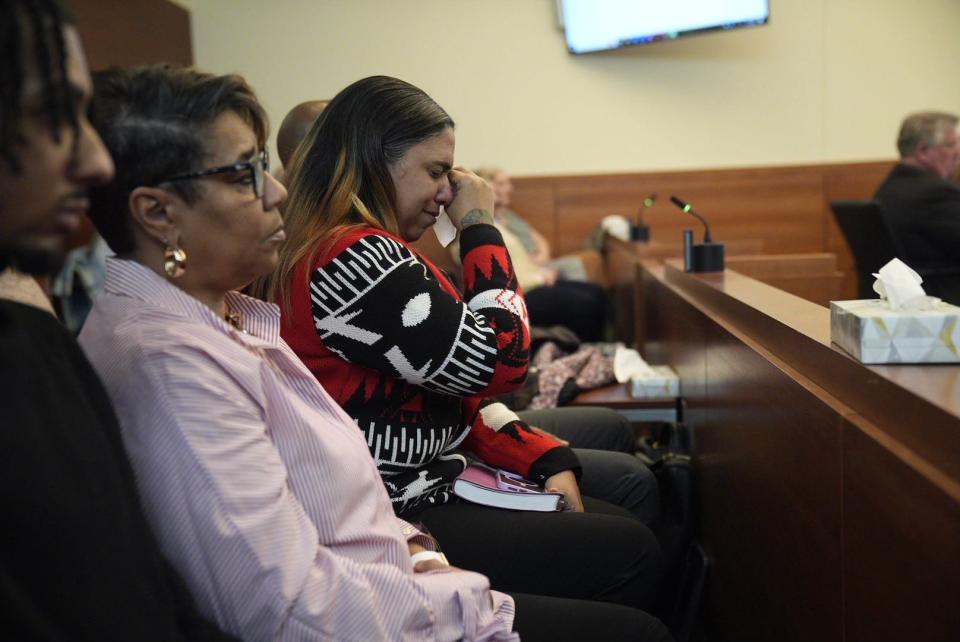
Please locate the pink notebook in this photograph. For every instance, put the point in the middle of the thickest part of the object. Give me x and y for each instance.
(478, 484)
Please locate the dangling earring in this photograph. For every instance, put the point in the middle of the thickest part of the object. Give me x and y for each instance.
(174, 261)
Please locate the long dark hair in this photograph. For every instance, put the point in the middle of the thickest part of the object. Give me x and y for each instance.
(340, 174)
(40, 24)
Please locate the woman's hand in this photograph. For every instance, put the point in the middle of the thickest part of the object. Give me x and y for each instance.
(566, 484)
(472, 199)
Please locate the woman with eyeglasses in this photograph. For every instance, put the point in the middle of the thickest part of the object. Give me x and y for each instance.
(259, 489)
(412, 359)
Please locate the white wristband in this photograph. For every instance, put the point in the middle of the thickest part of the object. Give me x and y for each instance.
(429, 555)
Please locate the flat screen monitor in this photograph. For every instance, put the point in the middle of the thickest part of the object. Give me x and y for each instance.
(598, 25)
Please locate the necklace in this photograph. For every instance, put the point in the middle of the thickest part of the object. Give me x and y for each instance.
(235, 319)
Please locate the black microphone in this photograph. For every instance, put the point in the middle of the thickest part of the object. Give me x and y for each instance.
(688, 209)
(699, 257)
(640, 231)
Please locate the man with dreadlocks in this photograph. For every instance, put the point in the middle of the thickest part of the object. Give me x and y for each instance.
(77, 561)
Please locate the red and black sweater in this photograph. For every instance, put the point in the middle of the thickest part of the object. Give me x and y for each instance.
(411, 360)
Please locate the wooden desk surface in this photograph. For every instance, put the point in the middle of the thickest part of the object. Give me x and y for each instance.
(801, 337)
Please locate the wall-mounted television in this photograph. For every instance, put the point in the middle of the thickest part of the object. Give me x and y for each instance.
(599, 25)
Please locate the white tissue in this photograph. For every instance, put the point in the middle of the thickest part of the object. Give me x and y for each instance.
(444, 228)
(628, 364)
(900, 286)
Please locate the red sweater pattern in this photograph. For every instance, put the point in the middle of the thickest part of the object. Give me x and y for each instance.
(412, 361)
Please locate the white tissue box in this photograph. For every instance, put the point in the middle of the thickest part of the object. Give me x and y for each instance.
(873, 333)
(663, 383)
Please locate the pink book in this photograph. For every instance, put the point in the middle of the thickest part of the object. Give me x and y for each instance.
(491, 487)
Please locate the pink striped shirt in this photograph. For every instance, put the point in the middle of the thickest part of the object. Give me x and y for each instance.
(259, 488)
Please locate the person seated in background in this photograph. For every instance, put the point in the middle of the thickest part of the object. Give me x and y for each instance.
(536, 244)
(923, 204)
(603, 439)
(259, 487)
(77, 560)
(552, 298)
(295, 126)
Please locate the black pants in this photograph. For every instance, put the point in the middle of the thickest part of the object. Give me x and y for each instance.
(604, 443)
(578, 305)
(553, 619)
(586, 427)
(602, 554)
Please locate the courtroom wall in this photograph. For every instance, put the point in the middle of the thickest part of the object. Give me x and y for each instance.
(825, 81)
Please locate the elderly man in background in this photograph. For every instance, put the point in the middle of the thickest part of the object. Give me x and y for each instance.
(923, 204)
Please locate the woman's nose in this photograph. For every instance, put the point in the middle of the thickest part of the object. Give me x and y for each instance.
(274, 193)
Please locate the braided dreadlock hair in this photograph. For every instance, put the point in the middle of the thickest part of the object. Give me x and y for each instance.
(37, 24)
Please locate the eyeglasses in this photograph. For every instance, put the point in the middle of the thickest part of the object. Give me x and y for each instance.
(257, 166)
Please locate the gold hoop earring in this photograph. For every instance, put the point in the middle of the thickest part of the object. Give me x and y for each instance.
(174, 261)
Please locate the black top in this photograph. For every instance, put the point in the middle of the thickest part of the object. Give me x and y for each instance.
(924, 212)
(77, 560)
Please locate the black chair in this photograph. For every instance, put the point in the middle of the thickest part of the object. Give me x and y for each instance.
(870, 238)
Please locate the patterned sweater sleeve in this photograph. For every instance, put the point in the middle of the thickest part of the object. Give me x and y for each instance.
(500, 438)
(374, 303)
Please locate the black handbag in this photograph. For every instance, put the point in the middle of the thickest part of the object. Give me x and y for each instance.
(685, 575)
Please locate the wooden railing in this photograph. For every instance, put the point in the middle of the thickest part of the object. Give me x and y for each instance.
(829, 490)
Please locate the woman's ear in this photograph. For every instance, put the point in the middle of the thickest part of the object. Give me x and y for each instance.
(154, 212)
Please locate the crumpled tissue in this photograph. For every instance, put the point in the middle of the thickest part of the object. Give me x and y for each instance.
(899, 286)
(627, 364)
(444, 228)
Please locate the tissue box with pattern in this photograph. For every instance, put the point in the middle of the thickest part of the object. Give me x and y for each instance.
(662, 382)
(873, 333)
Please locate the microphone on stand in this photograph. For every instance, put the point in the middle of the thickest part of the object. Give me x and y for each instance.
(699, 257)
(640, 231)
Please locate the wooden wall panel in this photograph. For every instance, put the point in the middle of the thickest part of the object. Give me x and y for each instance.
(126, 33)
(771, 520)
(736, 203)
(133, 32)
(901, 542)
(787, 208)
(536, 202)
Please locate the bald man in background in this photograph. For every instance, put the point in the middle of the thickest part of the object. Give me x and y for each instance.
(295, 127)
